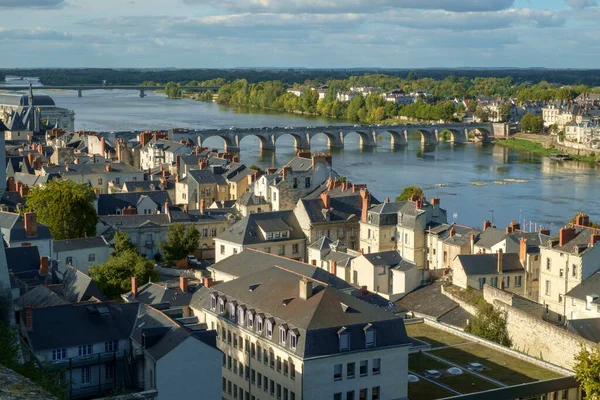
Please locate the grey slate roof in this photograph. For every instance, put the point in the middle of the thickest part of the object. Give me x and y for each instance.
(341, 208)
(77, 244)
(534, 240)
(321, 244)
(490, 237)
(144, 186)
(251, 261)
(588, 328)
(487, 264)
(24, 262)
(108, 204)
(77, 287)
(13, 228)
(40, 296)
(250, 199)
(205, 177)
(95, 323)
(390, 258)
(246, 231)
(578, 245)
(153, 293)
(318, 319)
(89, 168)
(591, 286)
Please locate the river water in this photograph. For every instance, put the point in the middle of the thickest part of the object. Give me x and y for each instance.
(474, 181)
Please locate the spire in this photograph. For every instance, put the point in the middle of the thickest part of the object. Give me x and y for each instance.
(30, 97)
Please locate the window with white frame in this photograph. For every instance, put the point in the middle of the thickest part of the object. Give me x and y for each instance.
(269, 329)
(111, 346)
(250, 323)
(344, 339)
(370, 337)
(282, 335)
(232, 310)
(59, 354)
(86, 375)
(213, 302)
(293, 340)
(259, 323)
(85, 349)
(222, 306)
(241, 315)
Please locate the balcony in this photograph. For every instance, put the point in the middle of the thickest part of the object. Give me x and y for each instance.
(92, 359)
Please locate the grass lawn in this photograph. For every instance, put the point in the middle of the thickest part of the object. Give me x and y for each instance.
(537, 148)
(499, 366)
(466, 383)
(424, 390)
(419, 363)
(435, 337)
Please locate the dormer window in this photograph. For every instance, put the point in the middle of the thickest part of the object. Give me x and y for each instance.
(241, 315)
(213, 302)
(282, 335)
(222, 306)
(344, 339)
(293, 339)
(232, 308)
(270, 326)
(259, 323)
(370, 336)
(250, 323)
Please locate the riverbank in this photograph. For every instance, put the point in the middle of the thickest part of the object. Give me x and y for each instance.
(537, 147)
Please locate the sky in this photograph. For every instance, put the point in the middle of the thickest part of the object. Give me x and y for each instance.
(299, 33)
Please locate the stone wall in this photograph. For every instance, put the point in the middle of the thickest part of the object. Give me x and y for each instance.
(532, 335)
(469, 307)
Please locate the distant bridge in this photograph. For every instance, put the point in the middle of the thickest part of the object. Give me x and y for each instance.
(81, 88)
(430, 134)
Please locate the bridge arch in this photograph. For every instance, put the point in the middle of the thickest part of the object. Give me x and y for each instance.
(478, 134)
(365, 138)
(452, 135)
(300, 142)
(333, 140)
(228, 144)
(427, 136)
(397, 137)
(266, 141)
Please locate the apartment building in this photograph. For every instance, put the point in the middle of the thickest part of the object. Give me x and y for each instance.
(290, 337)
(583, 301)
(567, 259)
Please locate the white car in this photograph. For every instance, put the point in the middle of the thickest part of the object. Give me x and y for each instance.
(192, 261)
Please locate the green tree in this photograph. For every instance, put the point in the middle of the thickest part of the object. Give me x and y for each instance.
(587, 371)
(180, 242)
(482, 114)
(66, 207)
(489, 323)
(114, 276)
(532, 123)
(504, 112)
(410, 191)
(173, 90)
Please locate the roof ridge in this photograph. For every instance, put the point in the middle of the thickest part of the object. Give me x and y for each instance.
(302, 275)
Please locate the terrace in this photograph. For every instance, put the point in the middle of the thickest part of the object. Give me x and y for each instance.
(451, 355)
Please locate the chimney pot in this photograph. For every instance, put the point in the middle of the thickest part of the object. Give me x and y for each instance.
(566, 235)
(500, 261)
(44, 265)
(306, 289)
(183, 283)
(326, 200)
(523, 250)
(333, 268)
(134, 287)
(31, 227)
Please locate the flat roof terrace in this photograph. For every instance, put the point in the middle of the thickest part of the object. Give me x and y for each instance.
(452, 357)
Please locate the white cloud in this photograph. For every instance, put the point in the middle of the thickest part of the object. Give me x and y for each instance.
(31, 3)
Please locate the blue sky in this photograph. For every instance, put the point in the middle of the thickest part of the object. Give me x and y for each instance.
(300, 33)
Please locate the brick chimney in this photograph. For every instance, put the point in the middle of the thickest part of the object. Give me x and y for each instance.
(545, 231)
(183, 284)
(28, 317)
(24, 190)
(472, 244)
(207, 281)
(202, 206)
(134, 287)
(419, 204)
(76, 160)
(387, 199)
(12, 186)
(38, 163)
(333, 268)
(285, 171)
(326, 200)
(452, 232)
(313, 263)
(186, 208)
(500, 260)
(523, 250)
(509, 229)
(364, 291)
(566, 235)
(435, 201)
(44, 265)
(515, 226)
(31, 228)
(486, 224)
(366, 203)
(166, 207)
(305, 289)
(594, 238)
(582, 219)
(108, 168)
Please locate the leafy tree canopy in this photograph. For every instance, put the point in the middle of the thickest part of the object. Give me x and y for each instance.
(587, 371)
(66, 207)
(532, 123)
(410, 191)
(180, 242)
(489, 323)
(114, 276)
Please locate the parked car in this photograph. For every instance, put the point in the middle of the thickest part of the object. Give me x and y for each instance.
(192, 261)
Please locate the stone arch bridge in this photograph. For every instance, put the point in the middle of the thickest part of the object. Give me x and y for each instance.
(430, 134)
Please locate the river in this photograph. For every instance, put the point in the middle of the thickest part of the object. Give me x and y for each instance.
(474, 181)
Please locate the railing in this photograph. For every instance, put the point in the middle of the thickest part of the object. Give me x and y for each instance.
(92, 359)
